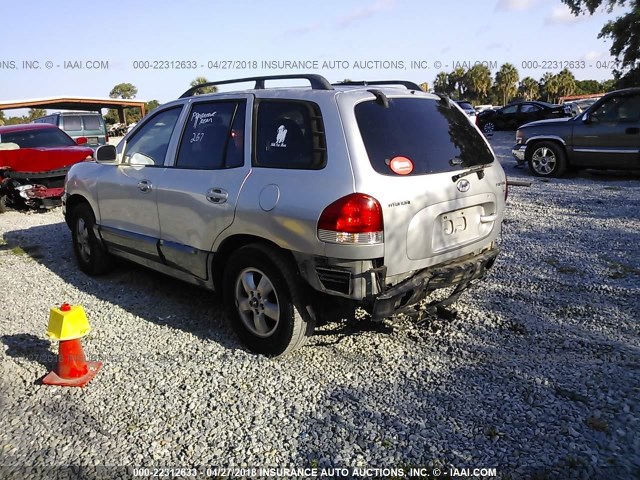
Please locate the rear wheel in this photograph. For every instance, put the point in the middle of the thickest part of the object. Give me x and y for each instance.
(92, 258)
(547, 159)
(265, 302)
(489, 127)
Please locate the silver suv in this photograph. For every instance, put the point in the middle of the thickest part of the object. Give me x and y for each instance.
(292, 200)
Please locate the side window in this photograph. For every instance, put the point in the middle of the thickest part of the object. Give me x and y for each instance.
(289, 135)
(213, 136)
(619, 109)
(510, 109)
(152, 140)
(528, 108)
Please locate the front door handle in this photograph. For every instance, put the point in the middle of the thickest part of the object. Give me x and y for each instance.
(632, 130)
(217, 195)
(145, 186)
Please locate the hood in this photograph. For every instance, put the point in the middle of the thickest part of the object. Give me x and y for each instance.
(43, 159)
(546, 123)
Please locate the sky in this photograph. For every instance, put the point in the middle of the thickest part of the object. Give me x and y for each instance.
(122, 41)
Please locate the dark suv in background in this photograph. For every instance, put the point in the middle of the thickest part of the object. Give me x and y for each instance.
(606, 136)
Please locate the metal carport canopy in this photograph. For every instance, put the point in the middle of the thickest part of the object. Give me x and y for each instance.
(76, 103)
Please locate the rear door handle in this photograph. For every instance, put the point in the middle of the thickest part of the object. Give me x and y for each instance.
(217, 195)
(632, 130)
(145, 185)
(488, 218)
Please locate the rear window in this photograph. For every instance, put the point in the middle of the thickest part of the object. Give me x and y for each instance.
(71, 124)
(434, 135)
(50, 137)
(91, 122)
(465, 105)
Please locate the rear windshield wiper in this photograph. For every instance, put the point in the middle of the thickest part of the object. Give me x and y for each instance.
(479, 169)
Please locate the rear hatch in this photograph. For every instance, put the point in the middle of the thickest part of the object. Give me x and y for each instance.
(435, 176)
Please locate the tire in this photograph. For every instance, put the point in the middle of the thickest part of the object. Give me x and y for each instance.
(265, 304)
(489, 127)
(546, 159)
(91, 256)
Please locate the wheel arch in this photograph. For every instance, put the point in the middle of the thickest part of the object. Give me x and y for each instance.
(232, 244)
(532, 142)
(72, 202)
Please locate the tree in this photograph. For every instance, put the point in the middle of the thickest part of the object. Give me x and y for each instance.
(548, 87)
(566, 83)
(609, 86)
(36, 113)
(150, 105)
(507, 82)
(457, 83)
(478, 81)
(424, 86)
(201, 80)
(441, 84)
(624, 32)
(529, 89)
(586, 87)
(1, 118)
(123, 90)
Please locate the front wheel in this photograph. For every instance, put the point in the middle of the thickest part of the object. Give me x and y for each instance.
(92, 258)
(547, 159)
(264, 300)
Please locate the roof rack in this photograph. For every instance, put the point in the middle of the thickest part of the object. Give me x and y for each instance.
(318, 82)
(364, 83)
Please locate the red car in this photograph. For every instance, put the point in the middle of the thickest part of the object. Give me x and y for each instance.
(34, 159)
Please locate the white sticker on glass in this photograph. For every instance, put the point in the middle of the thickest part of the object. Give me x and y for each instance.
(281, 137)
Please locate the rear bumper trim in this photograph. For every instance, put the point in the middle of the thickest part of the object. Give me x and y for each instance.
(414, 289)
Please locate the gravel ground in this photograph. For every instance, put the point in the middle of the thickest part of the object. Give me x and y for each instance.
(537, 376)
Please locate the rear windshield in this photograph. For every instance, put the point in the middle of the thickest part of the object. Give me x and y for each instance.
(71, 124)
(465, 105)
(50, 137)
(433, 134)
(91, 122)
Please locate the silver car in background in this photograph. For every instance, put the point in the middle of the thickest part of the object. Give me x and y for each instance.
(289, 201)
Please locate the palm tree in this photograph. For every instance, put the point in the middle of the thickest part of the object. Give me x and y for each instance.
(457, 82)
(478, 80)
(201, 80)
(424, 86)
(529, 88)
(507, 82)
(550, 86)
(441, 83)
(566, 83)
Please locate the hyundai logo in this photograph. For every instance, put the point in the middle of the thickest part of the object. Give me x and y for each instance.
(463, 185)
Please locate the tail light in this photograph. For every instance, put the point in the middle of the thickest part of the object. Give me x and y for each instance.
(354, 219)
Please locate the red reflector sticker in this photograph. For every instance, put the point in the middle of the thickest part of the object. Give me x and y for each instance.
(401, 165)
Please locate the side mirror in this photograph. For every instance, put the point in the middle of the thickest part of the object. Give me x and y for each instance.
(81, 140)
(106, 153)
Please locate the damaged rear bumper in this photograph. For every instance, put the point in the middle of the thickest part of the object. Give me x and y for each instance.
(411, 291)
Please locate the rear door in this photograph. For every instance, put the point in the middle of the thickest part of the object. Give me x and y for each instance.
(127, 192)
(611, 138)
(198, 193)
(431, 214)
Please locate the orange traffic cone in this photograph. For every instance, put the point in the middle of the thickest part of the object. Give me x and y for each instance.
(68, 324)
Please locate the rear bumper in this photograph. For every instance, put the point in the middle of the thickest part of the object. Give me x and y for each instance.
(416, 288)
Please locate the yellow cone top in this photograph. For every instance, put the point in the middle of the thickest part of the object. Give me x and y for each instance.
(67, 322)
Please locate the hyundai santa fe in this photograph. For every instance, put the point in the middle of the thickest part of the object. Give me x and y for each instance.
(288, 200)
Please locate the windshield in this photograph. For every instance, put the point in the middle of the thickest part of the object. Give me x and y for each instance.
(433, 134)
(50, 137)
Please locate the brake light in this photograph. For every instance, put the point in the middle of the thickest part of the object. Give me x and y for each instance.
(354, 219)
